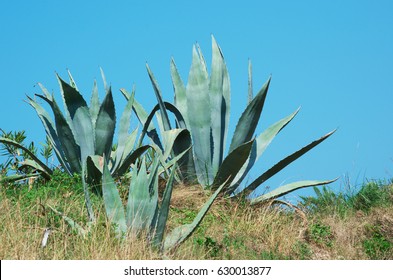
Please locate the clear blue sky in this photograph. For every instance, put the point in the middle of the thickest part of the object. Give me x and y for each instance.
(333, 58)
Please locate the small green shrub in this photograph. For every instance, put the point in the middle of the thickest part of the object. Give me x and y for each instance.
(321, 234)
(377, 247)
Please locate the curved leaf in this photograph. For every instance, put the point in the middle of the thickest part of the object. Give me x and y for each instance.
(283, 163)
(181, 233)
(283, 190)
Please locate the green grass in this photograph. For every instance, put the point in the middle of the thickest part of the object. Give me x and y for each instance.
(335, 225)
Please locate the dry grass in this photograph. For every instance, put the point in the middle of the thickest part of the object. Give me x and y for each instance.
(230, 230)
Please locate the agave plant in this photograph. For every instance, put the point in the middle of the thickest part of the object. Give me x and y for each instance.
(204, 109)
(144, 211)
(87, 131)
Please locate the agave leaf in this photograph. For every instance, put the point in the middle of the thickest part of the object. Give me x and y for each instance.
(66, 137)
(104, 80)
(51, 133)
(130, 159)
(283, 190)
(181, 233)
(260, 145)
(220, 104)
(112, 202)
(74, 225)
(142, 197)
(158, 226)
(124, 126)
(38, 167)
(283, 163)
(127, 150)
(94, 104)
(80, 117)
(164, 114)
(232, 164)
(142, 116)
(105, 125)
(248, 121)
(17, 177)
(42, 166)
(250, 86)
(45, 91)
(199, 110)
(72, 81)
(180, 91)
(88, 204)
(94, 170)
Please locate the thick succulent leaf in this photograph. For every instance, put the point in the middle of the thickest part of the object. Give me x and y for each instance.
(232, 164)
(130, 159)
(113, 205)
(17, 177)
(88, 204)
(50, 130)
(74, 225)
(283, 190)
(180, 91)
(220, 104)
(81, 119)
(124, 126)
(149, 119)
(198, 103)
(285, 162)
(38, 167)
(181, 233)
(142, 116)
(72, 81)
(260, 145)
(105, 125)
(94, 104)
(127, 149)
(42, 166)
(250, 86)
(159, 225)
(104, 80)
(142, 198)
(45, 91)
(248, 121)
(163, 112)
(94, 169)
(66, 137)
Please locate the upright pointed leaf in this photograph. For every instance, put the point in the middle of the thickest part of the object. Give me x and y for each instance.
(163, 112)
(248, 121)
(232, 164)
(198, 103)
(80, 117)
(260, 145)
(113, 205)
(250, 86)
(180, 91)
(105, 125)
(94, 103)
(66, 137)
(142, 203)
(220, 105)
(159, 226)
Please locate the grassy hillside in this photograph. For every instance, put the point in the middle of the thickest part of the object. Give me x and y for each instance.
(325, 226)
